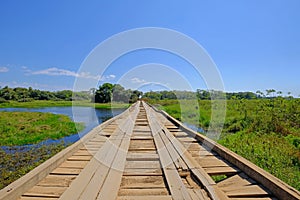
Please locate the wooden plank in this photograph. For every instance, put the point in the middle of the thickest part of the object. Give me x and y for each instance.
(221, 170)
(187, 140)
(110, 188)
(82, 153)
(37, 198)
(176, 186)
(93, 146)
(211, 162)
(142, 137)
(142, 164)
(143, 156)
(154, 197)
(235, 181)
(57, 181)
(65, 171)
(80, 158)
(142, 172)
(140, 182)
(141, 144)
(248, 191)
(193, 195)
(74, 164)
(176, 158)
(201, 194)
(40, 191)
(143, 192)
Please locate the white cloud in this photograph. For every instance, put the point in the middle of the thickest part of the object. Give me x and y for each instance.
(63, 72)
(55, 72)
(108, 77)
(3, 69)
(137, 80)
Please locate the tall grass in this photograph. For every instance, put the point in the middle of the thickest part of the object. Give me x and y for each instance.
(265, 131)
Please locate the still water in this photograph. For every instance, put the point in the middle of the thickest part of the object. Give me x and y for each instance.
(91, 117)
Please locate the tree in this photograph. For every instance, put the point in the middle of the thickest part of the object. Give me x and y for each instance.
(119, 94)
(135, 95)
(270, 91)
(104, 93)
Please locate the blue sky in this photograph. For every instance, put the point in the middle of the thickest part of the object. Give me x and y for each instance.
(255, 44)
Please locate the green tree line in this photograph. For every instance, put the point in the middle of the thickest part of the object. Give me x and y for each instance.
(108, 92)
(29, 94)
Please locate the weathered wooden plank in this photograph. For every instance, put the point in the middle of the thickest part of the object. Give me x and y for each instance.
(37, 198)
(57, 181)
(142, 172)
(74, 164)
(226, 170)
(176, 186)
(140, 182)
(248, 191)
(142, 164)
(41, 191)
(201, 194)
(235, 181)
(143, 156)
(80, 158)
(66, 171)
(110, 187)
(82, 153)
(211, 162)
(154, 197)
(143, 192)
(187, 139)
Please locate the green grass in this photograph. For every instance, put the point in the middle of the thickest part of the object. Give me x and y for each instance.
(20, 128)
(264, 131)
(271, 152)
(49, 103)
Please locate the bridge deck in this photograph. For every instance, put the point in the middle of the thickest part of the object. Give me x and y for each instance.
(146, 154)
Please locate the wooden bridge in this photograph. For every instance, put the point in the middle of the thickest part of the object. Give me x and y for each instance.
(146, 154)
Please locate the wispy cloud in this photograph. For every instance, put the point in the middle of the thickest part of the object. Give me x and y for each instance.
(3, 69)
(63, 72)
(137, 80)
(108, 77)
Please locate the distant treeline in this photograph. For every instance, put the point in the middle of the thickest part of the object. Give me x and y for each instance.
(108, 92)
(28, 94)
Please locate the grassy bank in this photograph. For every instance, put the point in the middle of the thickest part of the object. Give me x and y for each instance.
(265, 131)
(20, 128)
(49, 103)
